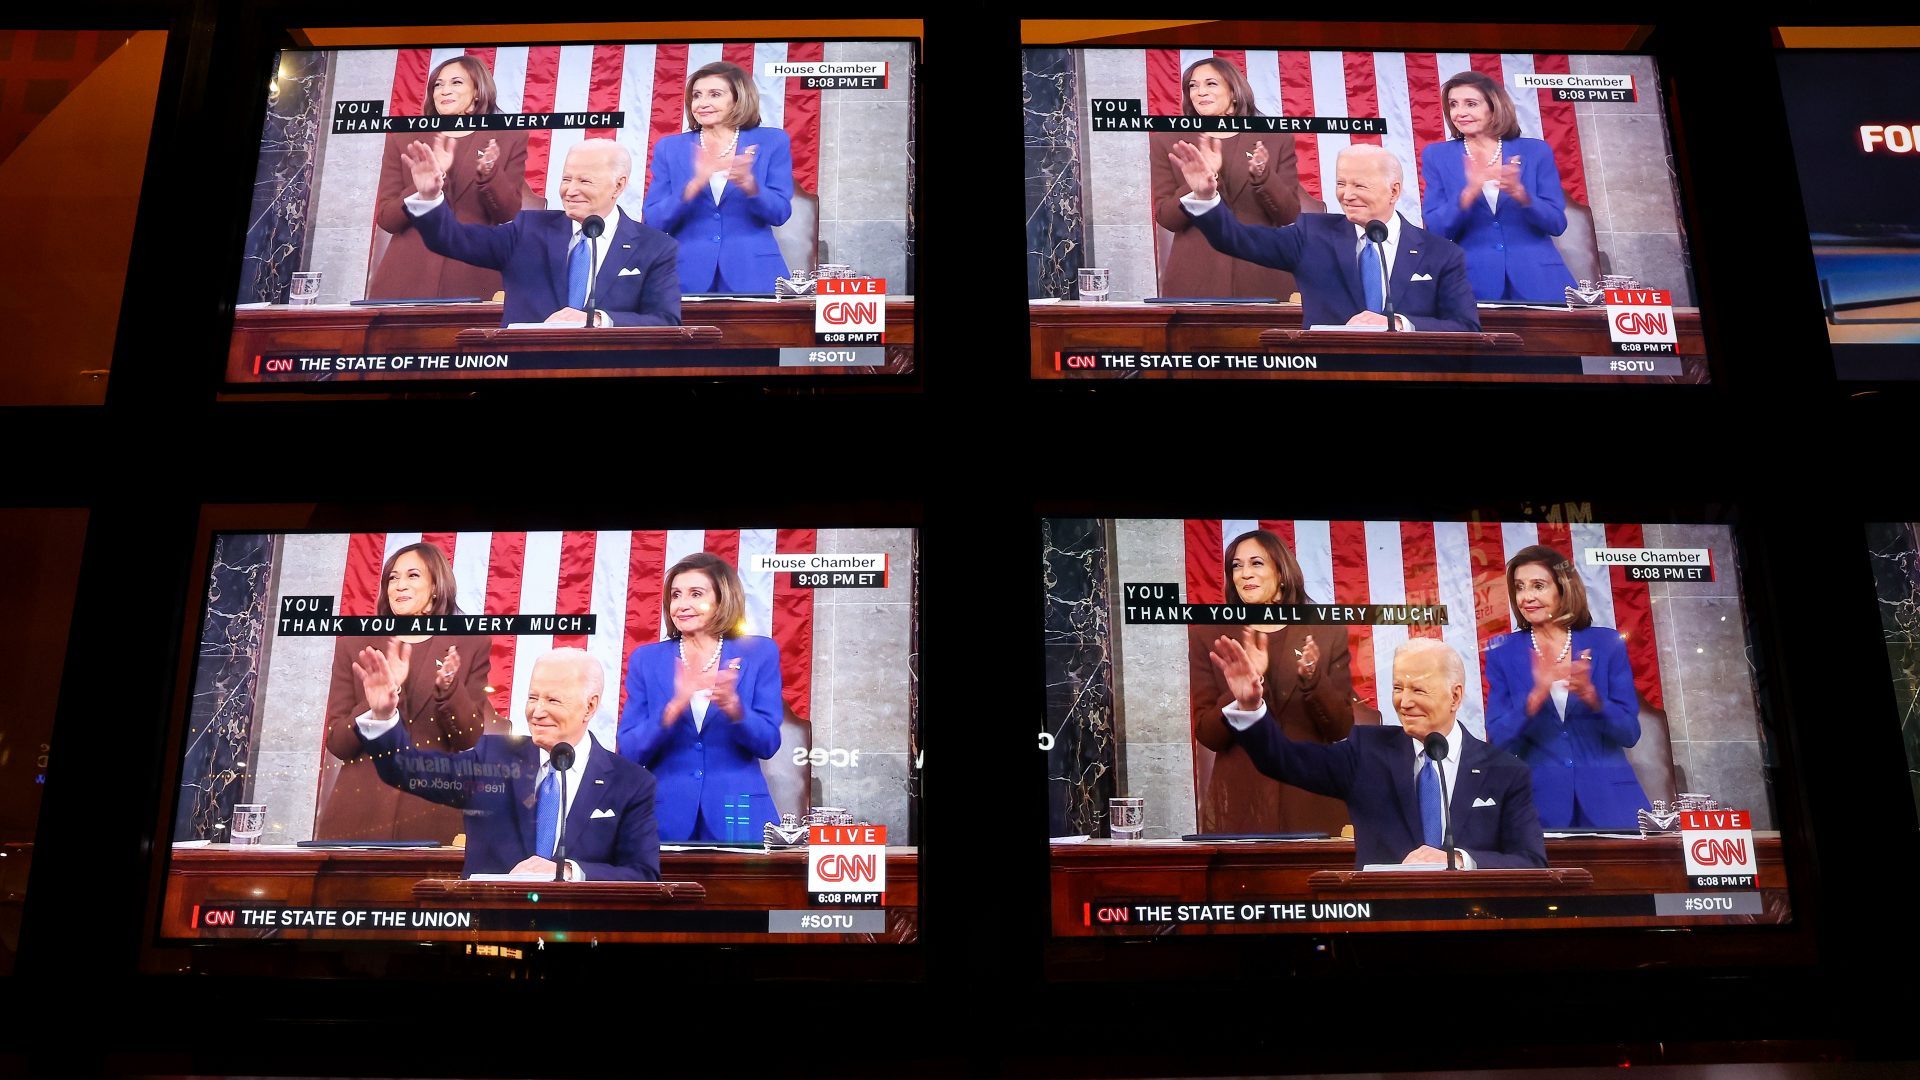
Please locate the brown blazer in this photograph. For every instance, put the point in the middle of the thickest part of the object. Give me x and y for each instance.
(1235, 796)
(1193, 267)
(354, 804)
(408, 269)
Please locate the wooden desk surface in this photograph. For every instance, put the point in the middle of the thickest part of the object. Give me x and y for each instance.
(406, 329)
(1214, 328)
(1176, 872)
(742, 881)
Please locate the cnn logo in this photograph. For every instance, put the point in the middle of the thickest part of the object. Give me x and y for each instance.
(1719, 851)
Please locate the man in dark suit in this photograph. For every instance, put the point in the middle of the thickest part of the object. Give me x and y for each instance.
(1391, 787)
(508, 787)
(544, 260)
(1341, 278)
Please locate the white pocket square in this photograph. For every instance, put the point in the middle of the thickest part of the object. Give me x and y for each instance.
(1482, 802)
(598, 814)
(631, 271)
(1421, 277)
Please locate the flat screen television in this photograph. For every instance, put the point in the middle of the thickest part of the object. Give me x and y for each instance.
(369, 751)
(450, 213)
(1256, 209)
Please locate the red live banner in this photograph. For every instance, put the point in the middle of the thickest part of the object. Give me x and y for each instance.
(1717, 820)
(847, 834)
(1639, 298)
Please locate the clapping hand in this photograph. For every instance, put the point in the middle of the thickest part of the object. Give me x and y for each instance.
(1545, 673)
(1230, 659)
(1508, 177)
(726, 690)
(377, 683)
(429, 162)
(1580, 679)
(686, 683)
(1257, 163)
(1202, 180)
(740, 172)
(488, 159)
(1308, 664)
(449, 669)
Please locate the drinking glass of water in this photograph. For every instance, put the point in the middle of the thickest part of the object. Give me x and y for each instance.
(1093, 283)
(249, 821)
(305, 287)
(1126, 818)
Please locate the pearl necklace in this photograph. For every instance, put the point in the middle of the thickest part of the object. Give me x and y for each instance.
(701, 137)
(1499, 150)
(1566, 649)
(712, 661)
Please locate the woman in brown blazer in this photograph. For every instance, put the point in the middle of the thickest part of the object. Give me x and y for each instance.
(1308, 689)
(485, 185)
(1259, 183)
(443, 703)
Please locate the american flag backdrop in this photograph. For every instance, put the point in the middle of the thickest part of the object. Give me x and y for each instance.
(647, 82)
(613, 574)
(1456, 563)
(1403, 88)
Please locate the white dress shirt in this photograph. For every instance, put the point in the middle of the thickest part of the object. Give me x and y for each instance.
(576, 775)
(1242, 719)
(1197, 206)
(417, 205)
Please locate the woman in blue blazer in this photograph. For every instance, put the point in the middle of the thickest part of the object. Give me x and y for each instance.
(703, 709)
(1496, 195)
(722, 185)
(1562, 698)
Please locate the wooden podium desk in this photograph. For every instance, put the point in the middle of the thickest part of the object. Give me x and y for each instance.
(1193, 873)
(411, 329)
(415, 878)
(1214, 328)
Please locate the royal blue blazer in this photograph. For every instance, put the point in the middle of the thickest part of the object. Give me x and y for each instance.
(1323, 252)
(1583, 757)
(636, 286)
(733, 237)
(610, 825)
(1510, 252)
(1491, 804)
(699, 772)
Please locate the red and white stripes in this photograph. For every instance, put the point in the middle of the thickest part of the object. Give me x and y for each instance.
(1459, 564)
(614, 574)
(647, 82)
(1404, 88)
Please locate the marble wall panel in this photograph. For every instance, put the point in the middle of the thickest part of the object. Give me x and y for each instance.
(219, 760)
(276, 243)
(1895, 551)
(1080, 704)
(1056, 228)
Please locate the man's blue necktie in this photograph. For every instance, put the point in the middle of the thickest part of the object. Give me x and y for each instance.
(1431, 825)
(547, 813)
(1370, 278)
(579, 263)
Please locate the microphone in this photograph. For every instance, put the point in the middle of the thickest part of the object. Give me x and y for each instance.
(590, 228)
(1436, 753)
(1377, 235)
(561, 759)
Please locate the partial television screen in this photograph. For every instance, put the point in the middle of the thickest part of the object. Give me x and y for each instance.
(518, 739)
(66, 96)
(738, 208)
(1854, 127)
(1285, 213)
(1895, 548)
(42, 547)
(1296, 725)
